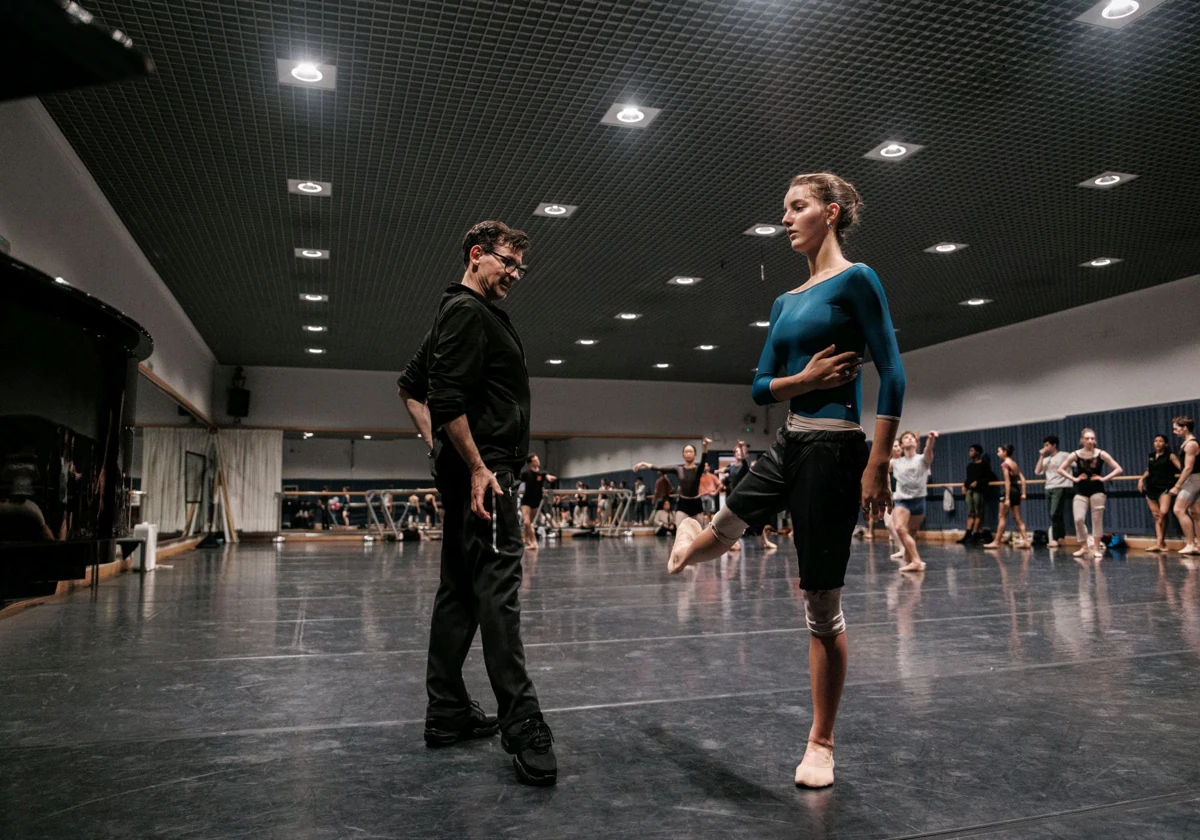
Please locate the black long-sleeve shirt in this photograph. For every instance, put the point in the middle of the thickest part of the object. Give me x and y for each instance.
(471, 362)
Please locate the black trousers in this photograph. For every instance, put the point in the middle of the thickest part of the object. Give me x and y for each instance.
(480, 581)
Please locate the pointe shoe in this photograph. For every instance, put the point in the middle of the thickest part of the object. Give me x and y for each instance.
(685, 534)
(914, 566)
(1189, 549)
(815, 770)
(898, 555)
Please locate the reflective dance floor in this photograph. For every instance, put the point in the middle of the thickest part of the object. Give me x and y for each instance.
(278, 693)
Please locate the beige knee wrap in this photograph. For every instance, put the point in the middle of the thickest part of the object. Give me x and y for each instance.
(727, 526)
(823, 612)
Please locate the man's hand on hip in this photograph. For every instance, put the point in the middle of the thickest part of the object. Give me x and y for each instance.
(482, 479)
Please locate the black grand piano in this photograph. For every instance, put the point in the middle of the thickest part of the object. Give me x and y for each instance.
(68, 362)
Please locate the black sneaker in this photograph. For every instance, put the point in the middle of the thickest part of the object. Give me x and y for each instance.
(533, 755)
(477, 725)
(967, 538)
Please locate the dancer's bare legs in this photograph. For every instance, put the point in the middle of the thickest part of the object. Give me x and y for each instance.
(997, 541)
(906, 526)
(827, 659)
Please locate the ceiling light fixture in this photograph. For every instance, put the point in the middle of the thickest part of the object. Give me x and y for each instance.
(761, 324)
(586, 342)
(629, 115)
(974, 302)
(555, 211)
(309, 74)
(61, 281)
(761, 229)
(662, 365)
(309, 187)
(893, 150)
(628, 316)
(305, 186)
(312, 253)
(684, 281)
(313, 298)
(316, 351)
(1100, 262)
(1117, 14)
(1107, 180)
(307, 435)
(945, 247)
(314, 328)
(554, 361)
(707, 347)
(366, 437)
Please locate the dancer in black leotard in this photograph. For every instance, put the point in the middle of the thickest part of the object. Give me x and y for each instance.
(534, 479)
(1156, 483)
(688, 473)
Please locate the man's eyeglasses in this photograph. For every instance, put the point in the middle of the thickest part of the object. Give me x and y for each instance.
(511, 266)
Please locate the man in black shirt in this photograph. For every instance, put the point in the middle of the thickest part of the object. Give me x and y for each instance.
(467, 390)
(975, 486)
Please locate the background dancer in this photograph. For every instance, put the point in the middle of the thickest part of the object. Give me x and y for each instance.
(1156, 483)
(534, 479)
(1187, 487)
(818, 467)
(1014, 494)
(911, 472)
(1087, 464)
(689, 474)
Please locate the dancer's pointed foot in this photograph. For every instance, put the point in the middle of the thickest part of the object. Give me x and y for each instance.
(992, 544)
(685, 534)
(914, 566)
(897, 555)
(815, 770)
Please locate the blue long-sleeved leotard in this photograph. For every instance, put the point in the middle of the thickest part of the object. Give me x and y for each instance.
(849, 311)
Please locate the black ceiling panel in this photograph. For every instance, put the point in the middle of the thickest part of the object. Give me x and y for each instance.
(448, 113)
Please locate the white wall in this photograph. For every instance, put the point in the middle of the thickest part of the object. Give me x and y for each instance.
(578, 457)
(1142, 348)
(58, 221)
(332, 459)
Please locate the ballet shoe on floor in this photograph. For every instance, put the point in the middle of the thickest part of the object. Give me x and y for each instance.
(914, 566)
(685, 534)
(815, 770)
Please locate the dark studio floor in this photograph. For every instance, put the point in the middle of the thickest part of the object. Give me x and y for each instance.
(278, 693)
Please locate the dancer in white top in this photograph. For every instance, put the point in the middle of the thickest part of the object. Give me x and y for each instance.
(1088, 475)
(911, 472)
(1187, 488)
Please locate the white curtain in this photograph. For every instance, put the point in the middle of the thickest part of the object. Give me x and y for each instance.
(163, 457)
(253, 464)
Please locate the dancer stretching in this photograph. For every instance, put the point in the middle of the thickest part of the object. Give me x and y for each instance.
(689, 474)
(818, 466)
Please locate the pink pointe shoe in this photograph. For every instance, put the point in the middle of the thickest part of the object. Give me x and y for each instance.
(685, 534)
(815, 770)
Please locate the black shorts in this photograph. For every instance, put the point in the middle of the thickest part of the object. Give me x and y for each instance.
(690, 507)
(817, 477)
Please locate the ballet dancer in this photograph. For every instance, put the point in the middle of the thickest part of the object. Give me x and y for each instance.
(912, 486)
(531, 501)
(1156, 483)
(1187, 487)
(689, 474)
(889, 516)
(1085, 467)
(818, 467)
(1014, 494)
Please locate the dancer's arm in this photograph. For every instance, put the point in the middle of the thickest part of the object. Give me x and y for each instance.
(1189, 466)
(929, 439)
(1112, 462)
(413, 387)
(1065, 466)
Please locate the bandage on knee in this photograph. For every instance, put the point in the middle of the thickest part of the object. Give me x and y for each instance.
(823, 612)
(727, 526)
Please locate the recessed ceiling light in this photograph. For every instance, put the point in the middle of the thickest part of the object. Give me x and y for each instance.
(312, 253)
(315, 328)
(316, 351)
(554, 361)
(893, 150)
(662, 365)
(61, 281)
(684, 281)
(761, 324)
(310, 74)
(366, 437)
(629, 115)
(1116, 14)
(707, 347)
(945, 248)
(307, 435)
(1106, 180)
(586, 342)
(309, 297)
(1100, 262)
(974, 301)
(763, 230)
(555, 211)
(303, 186)
(628, 316)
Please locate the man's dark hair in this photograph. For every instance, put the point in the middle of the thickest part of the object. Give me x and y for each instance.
(491, 234)
(529, 458)
(976, 447)
(1051, 439)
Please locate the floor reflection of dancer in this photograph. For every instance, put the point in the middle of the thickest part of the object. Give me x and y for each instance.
(1014, 494)
(689, 474)
(534, 480)
(911, 472)
(1187, 488)
(818, 466)
(1156, 483)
